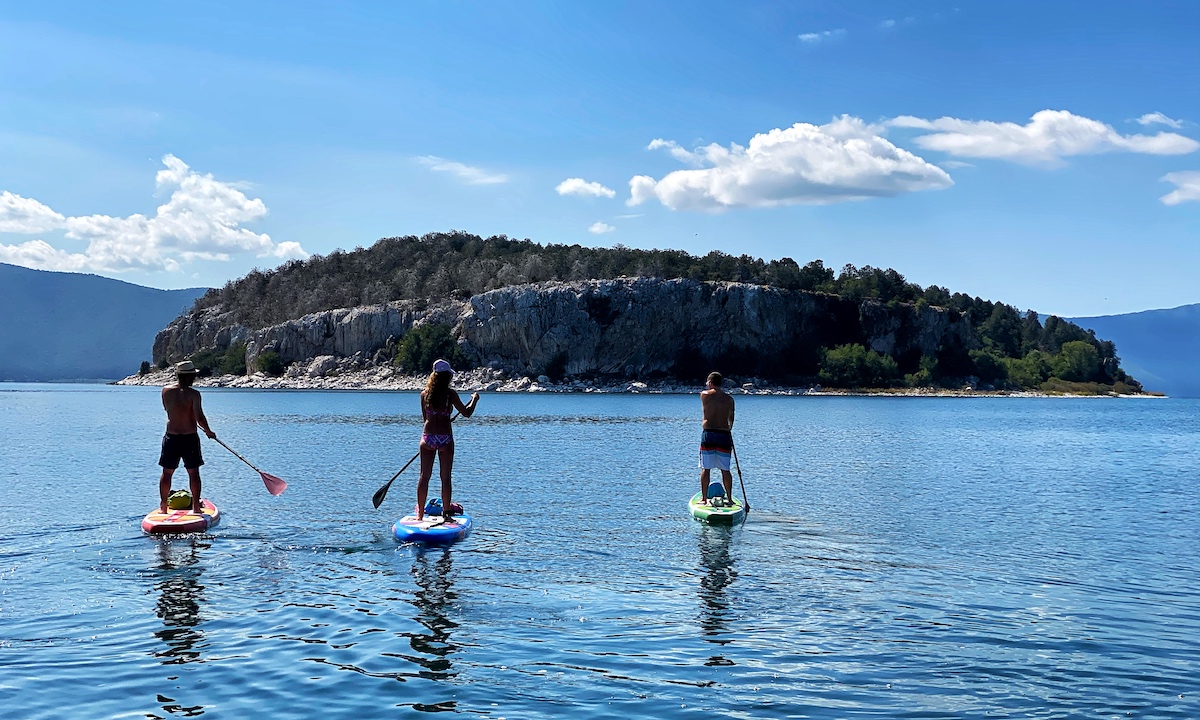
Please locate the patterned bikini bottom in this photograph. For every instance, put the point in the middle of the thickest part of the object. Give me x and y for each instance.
(436, 441)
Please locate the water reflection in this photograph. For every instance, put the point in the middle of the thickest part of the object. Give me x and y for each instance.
(433, 598)
(719, 575)
(180, 597)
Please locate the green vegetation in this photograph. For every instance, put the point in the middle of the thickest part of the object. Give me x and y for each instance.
(231, 361)
(854, 366)
(144, 368)
(1006, 349)
(422, 345)
(458, 264)
(270, 363)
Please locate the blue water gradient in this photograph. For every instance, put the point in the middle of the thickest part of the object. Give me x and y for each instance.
(904, 558)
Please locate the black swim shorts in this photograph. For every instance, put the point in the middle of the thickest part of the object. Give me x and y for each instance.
(181, 447)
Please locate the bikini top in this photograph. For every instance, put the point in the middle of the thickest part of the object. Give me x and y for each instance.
(441, 413)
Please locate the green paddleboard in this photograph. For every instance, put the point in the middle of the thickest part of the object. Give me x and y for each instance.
(725, 515)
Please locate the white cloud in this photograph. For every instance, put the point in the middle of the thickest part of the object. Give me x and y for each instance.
(466, 173)
(1048, 137)
(1187, 187)
(579, 186)
(201, 220)
(954, 164)
(599, 228)
(679, 153)
(40, 254)
(846, 159)
(1160, 119)
(815, 37)
(23, 215)
(891, 23)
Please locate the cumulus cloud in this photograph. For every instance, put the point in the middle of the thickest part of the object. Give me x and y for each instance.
(468, 174)
(1157, 118)
(1187, 187)
(599, 228)
(579, 186)
(846, 159)
(24, 215)
(40, 254)
(202, 219)
(1048, 137)
(813, 38)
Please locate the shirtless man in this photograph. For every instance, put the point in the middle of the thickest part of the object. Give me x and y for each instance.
(181, 442)
(716, 438)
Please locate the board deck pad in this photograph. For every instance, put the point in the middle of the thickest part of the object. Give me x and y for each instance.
(182, 521)
(729, 515)
(433, 529)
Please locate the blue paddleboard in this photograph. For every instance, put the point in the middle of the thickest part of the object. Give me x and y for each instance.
(432, 529)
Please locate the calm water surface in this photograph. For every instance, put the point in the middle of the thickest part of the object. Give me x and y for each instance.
(905, 558)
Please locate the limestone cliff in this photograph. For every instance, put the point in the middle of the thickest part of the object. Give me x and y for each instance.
(640, 327)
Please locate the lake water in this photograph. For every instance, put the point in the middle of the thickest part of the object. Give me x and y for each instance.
(914, 558)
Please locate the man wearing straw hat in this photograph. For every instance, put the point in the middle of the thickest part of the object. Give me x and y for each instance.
(181, 441)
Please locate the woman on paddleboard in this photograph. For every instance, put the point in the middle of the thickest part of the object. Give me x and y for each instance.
(438, 400)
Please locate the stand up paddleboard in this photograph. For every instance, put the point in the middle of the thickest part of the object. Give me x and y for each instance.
(433, 529)
(182, 521)
(723, 515)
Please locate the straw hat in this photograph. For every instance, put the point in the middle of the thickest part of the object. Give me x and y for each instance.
(187, 367)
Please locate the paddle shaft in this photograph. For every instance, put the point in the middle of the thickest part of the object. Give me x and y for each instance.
(741, 482)
(381, 493)
(239, 457)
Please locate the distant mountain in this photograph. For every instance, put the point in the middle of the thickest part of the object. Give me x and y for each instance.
(1161, 348)
(71, 326)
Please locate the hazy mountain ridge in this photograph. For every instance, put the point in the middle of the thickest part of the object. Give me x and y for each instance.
(73, 326)
(1159, 347)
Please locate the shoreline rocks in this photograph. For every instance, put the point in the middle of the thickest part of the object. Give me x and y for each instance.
(493, 380)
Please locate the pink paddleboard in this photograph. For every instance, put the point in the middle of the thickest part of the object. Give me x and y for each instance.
(182, 521)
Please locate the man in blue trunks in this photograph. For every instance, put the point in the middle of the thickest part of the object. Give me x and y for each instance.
(716, 436)
(181, 441)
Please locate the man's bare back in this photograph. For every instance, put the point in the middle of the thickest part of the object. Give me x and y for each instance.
(718, 409)
(184, 412)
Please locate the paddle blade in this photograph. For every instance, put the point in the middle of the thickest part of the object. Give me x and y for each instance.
(380, 494)
(275, 485)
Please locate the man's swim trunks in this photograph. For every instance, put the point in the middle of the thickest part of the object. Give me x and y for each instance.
(715, 447)
(181, 447)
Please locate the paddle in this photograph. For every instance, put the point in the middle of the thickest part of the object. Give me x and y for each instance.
(382, 492)
(738, 465)
(275, 485)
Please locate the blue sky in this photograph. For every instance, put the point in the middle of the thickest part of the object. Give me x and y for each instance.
(1040, 154)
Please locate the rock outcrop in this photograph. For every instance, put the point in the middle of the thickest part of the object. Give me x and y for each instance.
(631, 328)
